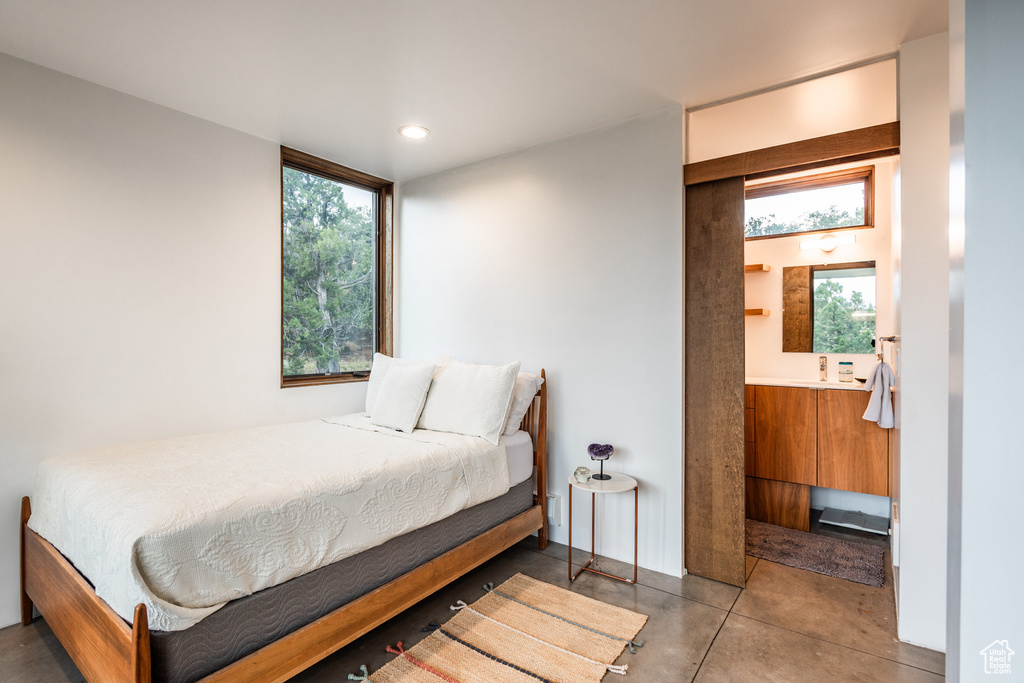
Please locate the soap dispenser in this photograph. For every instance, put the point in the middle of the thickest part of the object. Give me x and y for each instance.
(823, 368)
(845, 371)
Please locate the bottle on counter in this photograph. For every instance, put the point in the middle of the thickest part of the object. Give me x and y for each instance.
(845, 371)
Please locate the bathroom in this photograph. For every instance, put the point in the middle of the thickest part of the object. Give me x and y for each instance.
(909, 245)
(818, 304)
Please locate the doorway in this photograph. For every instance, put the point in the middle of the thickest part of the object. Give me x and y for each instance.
(715, 455)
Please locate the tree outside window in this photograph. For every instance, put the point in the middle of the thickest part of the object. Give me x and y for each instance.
(332, 277)
(844, 321)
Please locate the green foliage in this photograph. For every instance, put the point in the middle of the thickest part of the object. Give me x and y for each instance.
(835, 329)
(811, 220)
(328, 278)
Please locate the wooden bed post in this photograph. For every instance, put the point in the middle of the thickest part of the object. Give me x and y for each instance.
(26, 602)
(542, 463)
(141, 664)
(102, 644)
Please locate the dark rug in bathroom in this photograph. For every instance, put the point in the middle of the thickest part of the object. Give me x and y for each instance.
(842, 559)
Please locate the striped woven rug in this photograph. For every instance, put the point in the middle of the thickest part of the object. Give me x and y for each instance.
(522, 631)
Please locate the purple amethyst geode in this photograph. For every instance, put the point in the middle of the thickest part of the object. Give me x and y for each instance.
(600, 451)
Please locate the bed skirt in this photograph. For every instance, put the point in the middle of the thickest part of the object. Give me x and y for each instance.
(245, 625)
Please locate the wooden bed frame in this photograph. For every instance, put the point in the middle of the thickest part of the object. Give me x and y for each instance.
(108, 649)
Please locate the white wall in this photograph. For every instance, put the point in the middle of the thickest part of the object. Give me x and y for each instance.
(764, 355)
(855, 98)
(894, 440)
(822, 498)
(921, 456)
(986, 468)
(139, 281)
(568, 256)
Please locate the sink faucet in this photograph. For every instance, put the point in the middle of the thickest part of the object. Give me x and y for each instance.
(823, 368)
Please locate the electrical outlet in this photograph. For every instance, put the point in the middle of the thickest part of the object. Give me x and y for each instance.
(554, 510)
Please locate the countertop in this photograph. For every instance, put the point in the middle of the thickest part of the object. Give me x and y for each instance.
(808, 383)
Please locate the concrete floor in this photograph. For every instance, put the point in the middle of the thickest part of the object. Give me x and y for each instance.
(786, 625)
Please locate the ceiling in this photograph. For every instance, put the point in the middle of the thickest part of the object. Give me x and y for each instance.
(337, 78)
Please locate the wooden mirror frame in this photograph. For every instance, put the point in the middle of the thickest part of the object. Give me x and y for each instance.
(798, 303)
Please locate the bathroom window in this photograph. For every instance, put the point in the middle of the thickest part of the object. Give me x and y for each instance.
(840, 200)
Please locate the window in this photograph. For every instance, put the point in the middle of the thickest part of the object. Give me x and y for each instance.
(828, 201)
(335, 270)
(844, 308)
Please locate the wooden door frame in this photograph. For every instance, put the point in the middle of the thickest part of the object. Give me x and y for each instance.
(708, 546)
(829, 150)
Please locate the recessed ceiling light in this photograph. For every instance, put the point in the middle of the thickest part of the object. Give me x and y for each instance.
(415, 132)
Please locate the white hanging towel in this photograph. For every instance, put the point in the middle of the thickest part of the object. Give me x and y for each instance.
(880, 404)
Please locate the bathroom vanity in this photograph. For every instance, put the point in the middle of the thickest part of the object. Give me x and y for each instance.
(804, 433)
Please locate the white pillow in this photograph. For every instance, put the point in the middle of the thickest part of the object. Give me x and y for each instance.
(527, 386)
(470, 399)
(442, 362)
(401, 396)
(378, 371)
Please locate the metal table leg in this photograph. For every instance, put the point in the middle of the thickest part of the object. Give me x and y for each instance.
(593, 523)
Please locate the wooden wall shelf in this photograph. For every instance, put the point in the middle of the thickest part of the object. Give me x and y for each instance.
(757, 268)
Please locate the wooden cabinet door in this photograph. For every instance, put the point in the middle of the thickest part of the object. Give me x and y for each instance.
(784, 433)
(853, 453)
(749, 445)
(779, 502)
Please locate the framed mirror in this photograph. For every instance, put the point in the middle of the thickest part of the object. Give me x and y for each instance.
(829, 308)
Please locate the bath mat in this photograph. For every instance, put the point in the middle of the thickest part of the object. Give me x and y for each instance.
(842, 559)
(523, 631)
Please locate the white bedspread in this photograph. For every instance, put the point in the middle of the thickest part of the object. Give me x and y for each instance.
(185, 525)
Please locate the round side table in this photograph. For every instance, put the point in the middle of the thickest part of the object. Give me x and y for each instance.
(619, 483)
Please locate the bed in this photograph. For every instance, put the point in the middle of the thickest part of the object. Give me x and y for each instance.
(277, 630)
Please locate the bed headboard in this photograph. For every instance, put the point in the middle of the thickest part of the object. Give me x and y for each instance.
(536, 423)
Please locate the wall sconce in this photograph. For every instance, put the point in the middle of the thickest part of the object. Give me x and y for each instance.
(828, 242)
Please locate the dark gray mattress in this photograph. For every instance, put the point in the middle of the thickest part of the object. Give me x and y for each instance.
(247, 624)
